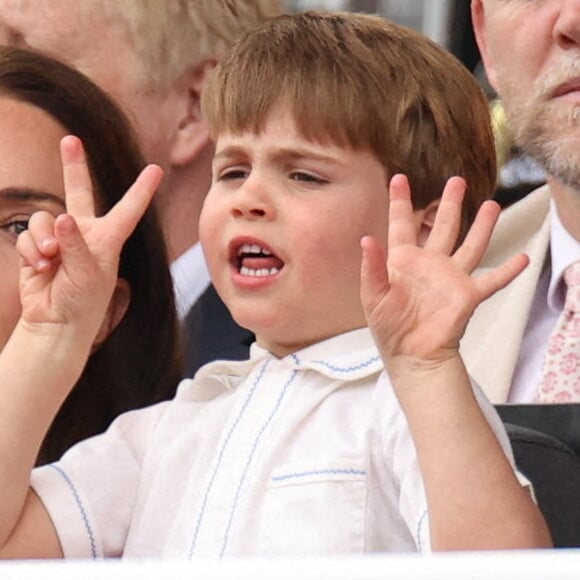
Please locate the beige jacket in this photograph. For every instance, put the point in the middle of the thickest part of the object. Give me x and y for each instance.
(492, 340)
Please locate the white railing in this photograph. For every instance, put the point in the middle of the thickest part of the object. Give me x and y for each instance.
(530, 565)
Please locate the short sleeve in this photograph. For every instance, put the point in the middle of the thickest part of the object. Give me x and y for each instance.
(400, 452)
(91, 491)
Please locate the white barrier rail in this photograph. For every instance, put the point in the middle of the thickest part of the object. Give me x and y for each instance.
(522, 565)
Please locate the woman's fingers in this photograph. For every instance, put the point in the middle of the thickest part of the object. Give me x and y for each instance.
(77, 179)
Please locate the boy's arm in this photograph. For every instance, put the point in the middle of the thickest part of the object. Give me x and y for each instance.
(68, 275)
(418, 302)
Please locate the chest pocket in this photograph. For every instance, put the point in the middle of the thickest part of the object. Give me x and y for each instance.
(316, 508)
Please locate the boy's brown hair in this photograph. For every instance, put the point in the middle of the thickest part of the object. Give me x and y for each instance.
(362, 81)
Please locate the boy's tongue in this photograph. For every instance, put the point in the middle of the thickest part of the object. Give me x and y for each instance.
(261, 262)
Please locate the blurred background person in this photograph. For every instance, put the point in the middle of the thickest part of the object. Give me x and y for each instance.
(134, 360)
(154, 57)
(530, 330)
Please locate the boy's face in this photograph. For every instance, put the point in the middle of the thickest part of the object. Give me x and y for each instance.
(281, 229)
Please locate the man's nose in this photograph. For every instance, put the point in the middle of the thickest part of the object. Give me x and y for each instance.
(567, 26)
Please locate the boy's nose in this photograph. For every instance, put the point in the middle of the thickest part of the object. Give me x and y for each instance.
(252, 201)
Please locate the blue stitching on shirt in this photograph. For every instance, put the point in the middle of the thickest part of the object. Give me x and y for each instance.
(318, 472)
(221, 454)
(419, 526)
(250, 457)
(80, 506)
(347, 369)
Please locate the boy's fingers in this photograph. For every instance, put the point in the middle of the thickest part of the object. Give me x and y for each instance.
(374, 276)
(469, 254)
(490, 282)
(401, 224)
(41, 228)
(443, 235)
(30, 253)
(75, 256)
(77, 179)
(127, 212)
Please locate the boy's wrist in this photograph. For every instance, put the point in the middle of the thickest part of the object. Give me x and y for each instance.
(58, 341)
(411, 375)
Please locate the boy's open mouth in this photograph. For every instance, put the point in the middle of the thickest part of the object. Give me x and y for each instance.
(255, 260)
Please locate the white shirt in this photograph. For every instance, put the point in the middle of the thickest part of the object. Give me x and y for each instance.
(309, 455)
(546, 307)
(190, 278)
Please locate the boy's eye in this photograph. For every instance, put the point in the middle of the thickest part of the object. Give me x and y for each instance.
(229, 174)
(307, 177)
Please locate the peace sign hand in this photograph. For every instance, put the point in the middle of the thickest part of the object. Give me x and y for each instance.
(70, 263)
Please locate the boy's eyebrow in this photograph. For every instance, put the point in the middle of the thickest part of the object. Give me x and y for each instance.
(27, 194)
(278, 154)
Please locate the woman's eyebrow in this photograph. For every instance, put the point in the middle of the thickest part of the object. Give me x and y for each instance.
(27, 194)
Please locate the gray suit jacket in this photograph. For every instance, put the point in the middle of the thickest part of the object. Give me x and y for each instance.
(491, 343)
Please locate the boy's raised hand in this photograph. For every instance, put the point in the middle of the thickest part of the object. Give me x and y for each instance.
(70, 263)
(418, 300)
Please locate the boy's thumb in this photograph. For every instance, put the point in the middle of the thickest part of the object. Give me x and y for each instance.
(374, 277)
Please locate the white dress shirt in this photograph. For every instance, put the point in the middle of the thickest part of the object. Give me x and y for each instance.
(308, 455)
(190, 279)
(546, 307)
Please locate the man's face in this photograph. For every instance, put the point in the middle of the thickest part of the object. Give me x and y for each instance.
(531, 50)
(81, 36)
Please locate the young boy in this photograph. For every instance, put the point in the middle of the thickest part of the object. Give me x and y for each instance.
(309, 447)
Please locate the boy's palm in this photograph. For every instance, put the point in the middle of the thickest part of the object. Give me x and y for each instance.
(419, 299)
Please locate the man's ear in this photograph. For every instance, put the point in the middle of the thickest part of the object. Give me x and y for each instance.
(479, 29)
(424, 220)
(191, 133)
(115, 312)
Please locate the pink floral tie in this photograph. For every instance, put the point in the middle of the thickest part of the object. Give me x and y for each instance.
(561, 380)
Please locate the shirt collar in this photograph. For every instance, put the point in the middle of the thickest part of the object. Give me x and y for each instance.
(348, 356)
(190, 278)
(564, 251)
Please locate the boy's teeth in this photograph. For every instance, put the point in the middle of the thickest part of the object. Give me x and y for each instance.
(261, 273)
(252, 249)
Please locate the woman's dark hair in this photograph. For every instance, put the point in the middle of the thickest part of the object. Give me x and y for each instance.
(139, 363)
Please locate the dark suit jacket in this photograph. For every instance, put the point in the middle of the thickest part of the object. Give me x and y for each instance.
(210, 333)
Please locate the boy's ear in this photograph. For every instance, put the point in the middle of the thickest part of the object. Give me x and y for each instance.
(191, 133)
(424, 220)
(115, 312)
